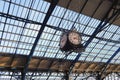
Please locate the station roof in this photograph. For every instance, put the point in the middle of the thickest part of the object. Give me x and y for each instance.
(22, 20)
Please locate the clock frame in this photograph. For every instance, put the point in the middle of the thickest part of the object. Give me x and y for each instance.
(74, 38)
(71, 41)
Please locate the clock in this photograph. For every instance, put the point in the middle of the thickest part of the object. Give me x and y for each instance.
(71, 41)
(74, 38)
(63, 40)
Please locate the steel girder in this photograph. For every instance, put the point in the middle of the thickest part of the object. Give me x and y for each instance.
(103, 71)
(100, 27)
(50, 10)
(53, 27)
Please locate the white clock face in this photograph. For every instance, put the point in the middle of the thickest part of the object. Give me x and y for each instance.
(74, 38)
(63, 41)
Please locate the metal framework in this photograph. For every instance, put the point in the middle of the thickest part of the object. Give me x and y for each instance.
(30, 31)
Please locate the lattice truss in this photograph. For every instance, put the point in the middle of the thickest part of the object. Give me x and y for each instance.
(32, 28)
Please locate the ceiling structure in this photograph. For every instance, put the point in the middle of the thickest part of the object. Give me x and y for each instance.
(96, 9)
(30, 32)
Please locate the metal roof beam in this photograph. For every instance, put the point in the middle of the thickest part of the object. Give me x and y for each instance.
(49, 76)
(101, 25)
(118, 50)
(5, 21)
(110, 59)
(50, 63)
(50, 10)
(76, 77)
(100, 38)
(16, 49)
(53, 27)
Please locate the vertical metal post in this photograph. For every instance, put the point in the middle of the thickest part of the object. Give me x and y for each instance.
(98, 77)
(48, 76)
(66, 77)
(76, 76)
(23, 76)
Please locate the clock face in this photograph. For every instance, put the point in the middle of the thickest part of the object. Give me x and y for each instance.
(74, 38)
(63, 40)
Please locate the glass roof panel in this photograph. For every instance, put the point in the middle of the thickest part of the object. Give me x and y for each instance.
(18, 33)
(21, 21)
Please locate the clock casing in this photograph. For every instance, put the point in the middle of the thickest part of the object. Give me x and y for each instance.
(71, 41)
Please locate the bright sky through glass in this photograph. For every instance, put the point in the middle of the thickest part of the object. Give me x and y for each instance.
(18, 37)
